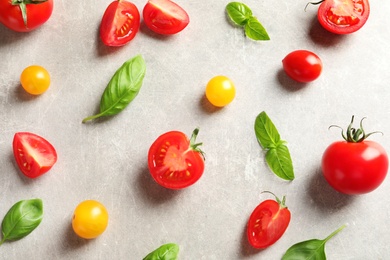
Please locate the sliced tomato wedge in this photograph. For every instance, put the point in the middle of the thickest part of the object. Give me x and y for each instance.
(34, 155)
(343, 16)
(120, 23)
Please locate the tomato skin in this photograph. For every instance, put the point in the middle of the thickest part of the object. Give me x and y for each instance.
(302, 65)
(90, 219)
(34, 155)
(37, 14)
(120, 23)
(165, 17)
(267, 223)
(172, 163)
(355, 168)
(35, 79)
(343, 17)
(220, 91)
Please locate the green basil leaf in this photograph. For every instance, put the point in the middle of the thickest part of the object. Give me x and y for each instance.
(279, 160)
(255, 30)
(122, 88)
(266, 132)
(313, 249)
(238, 13)
(22, 218)
(164, 252)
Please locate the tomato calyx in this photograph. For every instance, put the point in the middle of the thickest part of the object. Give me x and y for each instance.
(282, 203)
(22, 5)
(354, 135)
(195, 146)
(313, 3)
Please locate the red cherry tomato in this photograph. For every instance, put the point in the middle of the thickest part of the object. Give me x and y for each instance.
(36, 14)
(302, 65)
(120, 23)
(267, 223)
(355, 166)
(343, 17)
(165, 17)
(174, 161)
(34, 155)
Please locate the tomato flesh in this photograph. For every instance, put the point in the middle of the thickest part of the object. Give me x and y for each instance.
(267, 224)
(34, 155)
(165, 17)
(355, 168)
(343, 16)
(37, 15)
(172, 163)
(120, 23)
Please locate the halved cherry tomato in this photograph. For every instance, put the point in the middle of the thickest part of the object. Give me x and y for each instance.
(174, 161)
(120, 23)
(355, 166)
(165, 16)
(33, 154)
(268, 222)
(343, 16)
(25, 15)
(302, 65)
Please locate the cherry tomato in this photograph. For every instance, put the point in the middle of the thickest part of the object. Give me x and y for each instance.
(220, 91)
(34, 155)
(36, 13)
(174, 161)
(268, 222)
(302, 65)
(355, 166)
(35, 79)
(90, 219)
(120, 23)
(165, 17)
(343, 17)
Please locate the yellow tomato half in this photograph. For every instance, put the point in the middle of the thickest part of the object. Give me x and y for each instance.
(90, 219)
(35, 79)
(220, 91)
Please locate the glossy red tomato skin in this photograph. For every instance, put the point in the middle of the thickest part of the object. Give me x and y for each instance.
(34, 155)
(165, 17)
(267, 223)
(172, 163)
(343, 17)
(37, 15)
(355, 168)
(120, 23)
(302, 66)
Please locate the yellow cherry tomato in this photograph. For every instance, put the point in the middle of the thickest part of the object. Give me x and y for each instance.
(90, 219)
(35, 79)
(220, 91)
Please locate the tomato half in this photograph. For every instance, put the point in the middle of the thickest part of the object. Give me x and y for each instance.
(165, 16)
(220, 91)
(174, 161)
(35, 79)
(90, 219)
(343, 16)
(120, 23)
(267, 223)
(36, 12)
(34, 155)
(302, 65)
(355, 166)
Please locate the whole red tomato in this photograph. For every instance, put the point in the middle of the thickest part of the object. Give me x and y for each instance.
(355, 166)
(25, 15)
(302, 65)
(174, 161)
(268, 222)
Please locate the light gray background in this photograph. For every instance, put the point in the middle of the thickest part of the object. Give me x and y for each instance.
(106, 160)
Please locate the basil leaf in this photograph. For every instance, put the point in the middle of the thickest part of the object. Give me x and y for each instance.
(278, 156)
(313, 249)
(279, 160)
(22, 218)
(122, 88)
(255, 30)
(164, 252)
(239, 13)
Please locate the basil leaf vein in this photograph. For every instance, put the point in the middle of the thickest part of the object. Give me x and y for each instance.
(239, 13)
(123, 87)
(255, 30)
